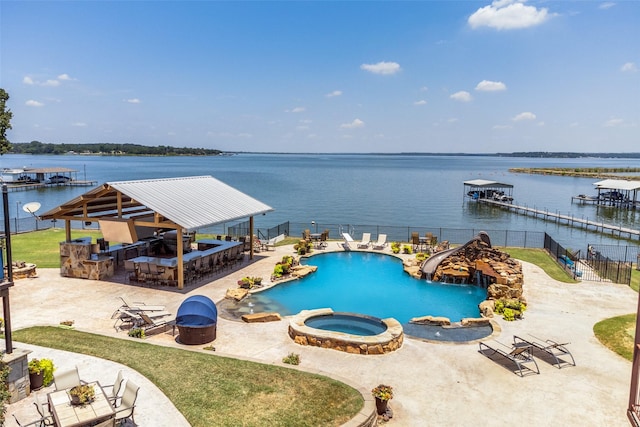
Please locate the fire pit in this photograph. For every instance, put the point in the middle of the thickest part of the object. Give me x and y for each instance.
(196, 320)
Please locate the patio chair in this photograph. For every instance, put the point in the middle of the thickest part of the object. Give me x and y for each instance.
(552, 350)
(127, 403)
(64, 380)
(415, 240)
(366, 241)
(381, 243)
(37, 422)
(46, 418)
(115, 388)
(521, 357)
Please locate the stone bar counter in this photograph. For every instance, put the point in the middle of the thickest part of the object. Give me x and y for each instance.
(79, 259)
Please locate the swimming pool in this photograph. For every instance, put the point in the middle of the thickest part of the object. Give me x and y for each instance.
(367, 283)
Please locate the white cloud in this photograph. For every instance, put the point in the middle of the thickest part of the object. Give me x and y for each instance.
(51, 83)
(32, 103)
(606, 5)
(501, 127)
(462, 96)
(64, 77)
(629, 67)
(421, 102)
(133, 101)
(302, 127)
(79, 124)
(357, 123)
(305, 121)
(613, 123)
(296, 110)
(424, 89)
(489, 86)
(28, 80)
(527, 115)
(334, 93)
(508, 15)
(384, 68)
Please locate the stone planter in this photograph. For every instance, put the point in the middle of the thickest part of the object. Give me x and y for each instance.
(35, 380)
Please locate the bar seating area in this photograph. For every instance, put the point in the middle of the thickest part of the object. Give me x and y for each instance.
(207, 258)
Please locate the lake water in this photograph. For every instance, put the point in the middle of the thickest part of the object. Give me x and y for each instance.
(391, 190)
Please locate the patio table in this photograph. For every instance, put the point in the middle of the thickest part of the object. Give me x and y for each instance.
(67, 415)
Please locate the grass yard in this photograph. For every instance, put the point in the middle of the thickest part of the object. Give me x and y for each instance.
(43, 247)
(543, 260)
(617, 334)
(211, 390)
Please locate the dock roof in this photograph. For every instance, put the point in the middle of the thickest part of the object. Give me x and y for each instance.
(618, 184)
(487, 184)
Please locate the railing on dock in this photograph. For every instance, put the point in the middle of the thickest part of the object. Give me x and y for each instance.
(568, 219)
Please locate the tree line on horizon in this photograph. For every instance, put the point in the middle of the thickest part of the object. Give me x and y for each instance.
(37, 147)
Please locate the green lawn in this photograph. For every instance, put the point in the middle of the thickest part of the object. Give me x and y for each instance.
(211, 390)
(543, 260)
(43, 247)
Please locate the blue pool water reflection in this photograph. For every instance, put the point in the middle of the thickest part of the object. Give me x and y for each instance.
(371, 284)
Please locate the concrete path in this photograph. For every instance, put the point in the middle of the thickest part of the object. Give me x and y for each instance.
(435, 384)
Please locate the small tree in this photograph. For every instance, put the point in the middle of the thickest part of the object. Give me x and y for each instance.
(5, 122)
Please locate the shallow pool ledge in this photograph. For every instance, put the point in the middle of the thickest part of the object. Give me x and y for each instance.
(385, 342)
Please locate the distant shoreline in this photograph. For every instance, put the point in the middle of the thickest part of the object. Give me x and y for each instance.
(596, 173)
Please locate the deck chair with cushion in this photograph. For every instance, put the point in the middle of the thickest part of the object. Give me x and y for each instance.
(140, 306)
(551, 350)
(521, 357)
(347, 241)
(127, 403)
(366, 241)
(64, 380)
(381, 243)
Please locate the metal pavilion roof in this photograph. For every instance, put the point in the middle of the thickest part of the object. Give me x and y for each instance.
(190, 202)
(618, 184)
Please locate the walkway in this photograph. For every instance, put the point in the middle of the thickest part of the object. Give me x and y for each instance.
(435, 384)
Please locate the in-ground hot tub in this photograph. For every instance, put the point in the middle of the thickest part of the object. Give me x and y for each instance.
(196, 320)
(349, 332)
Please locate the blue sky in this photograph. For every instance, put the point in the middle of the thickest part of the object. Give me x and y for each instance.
(329, 76)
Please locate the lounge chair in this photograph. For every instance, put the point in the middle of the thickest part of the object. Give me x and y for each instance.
(521, 356)
(148, 323)
(140, 306)
(366, 241)
(381, 243)
(127, 403)
(551, 350)
(347, 240)
(133, 318)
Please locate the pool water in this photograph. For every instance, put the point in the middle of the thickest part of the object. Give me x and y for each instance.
(347, 323)
(371, 284)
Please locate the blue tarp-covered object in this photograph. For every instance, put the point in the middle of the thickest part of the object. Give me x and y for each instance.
(197, 310)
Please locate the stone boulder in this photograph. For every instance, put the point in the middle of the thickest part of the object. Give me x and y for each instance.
(236, 294)
(261, 317)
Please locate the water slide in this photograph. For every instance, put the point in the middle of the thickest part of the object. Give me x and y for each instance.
(430, 264)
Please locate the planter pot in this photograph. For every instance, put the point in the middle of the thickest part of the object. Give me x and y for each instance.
(35, 381)
(381, 406)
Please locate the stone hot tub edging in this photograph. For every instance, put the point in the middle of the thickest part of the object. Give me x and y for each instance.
(386, 342)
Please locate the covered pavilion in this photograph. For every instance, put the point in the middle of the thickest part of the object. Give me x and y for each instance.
(485, 189)
(183, 204)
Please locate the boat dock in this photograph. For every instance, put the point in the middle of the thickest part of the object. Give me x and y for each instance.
(34, 186)
(26, 178)
(567, 219)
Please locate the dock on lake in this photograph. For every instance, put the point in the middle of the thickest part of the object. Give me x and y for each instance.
(567, 219)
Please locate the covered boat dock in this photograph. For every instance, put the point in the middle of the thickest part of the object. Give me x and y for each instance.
(478, 189)
(613, 192)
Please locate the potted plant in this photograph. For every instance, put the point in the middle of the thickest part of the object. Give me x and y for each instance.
(82, 394)
(40, 373)
(383, 394)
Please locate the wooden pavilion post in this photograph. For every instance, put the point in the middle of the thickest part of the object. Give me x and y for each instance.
(180, 249)
(251, 237)
(67, 230)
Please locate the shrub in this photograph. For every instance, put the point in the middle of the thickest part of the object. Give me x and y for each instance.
(4, 390)
(407, 249)
(292, 359)
(395, 247)
(421, 256)
(136, 333)
(278, 270)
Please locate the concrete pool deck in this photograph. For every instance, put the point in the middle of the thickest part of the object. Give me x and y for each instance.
(435, 384)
